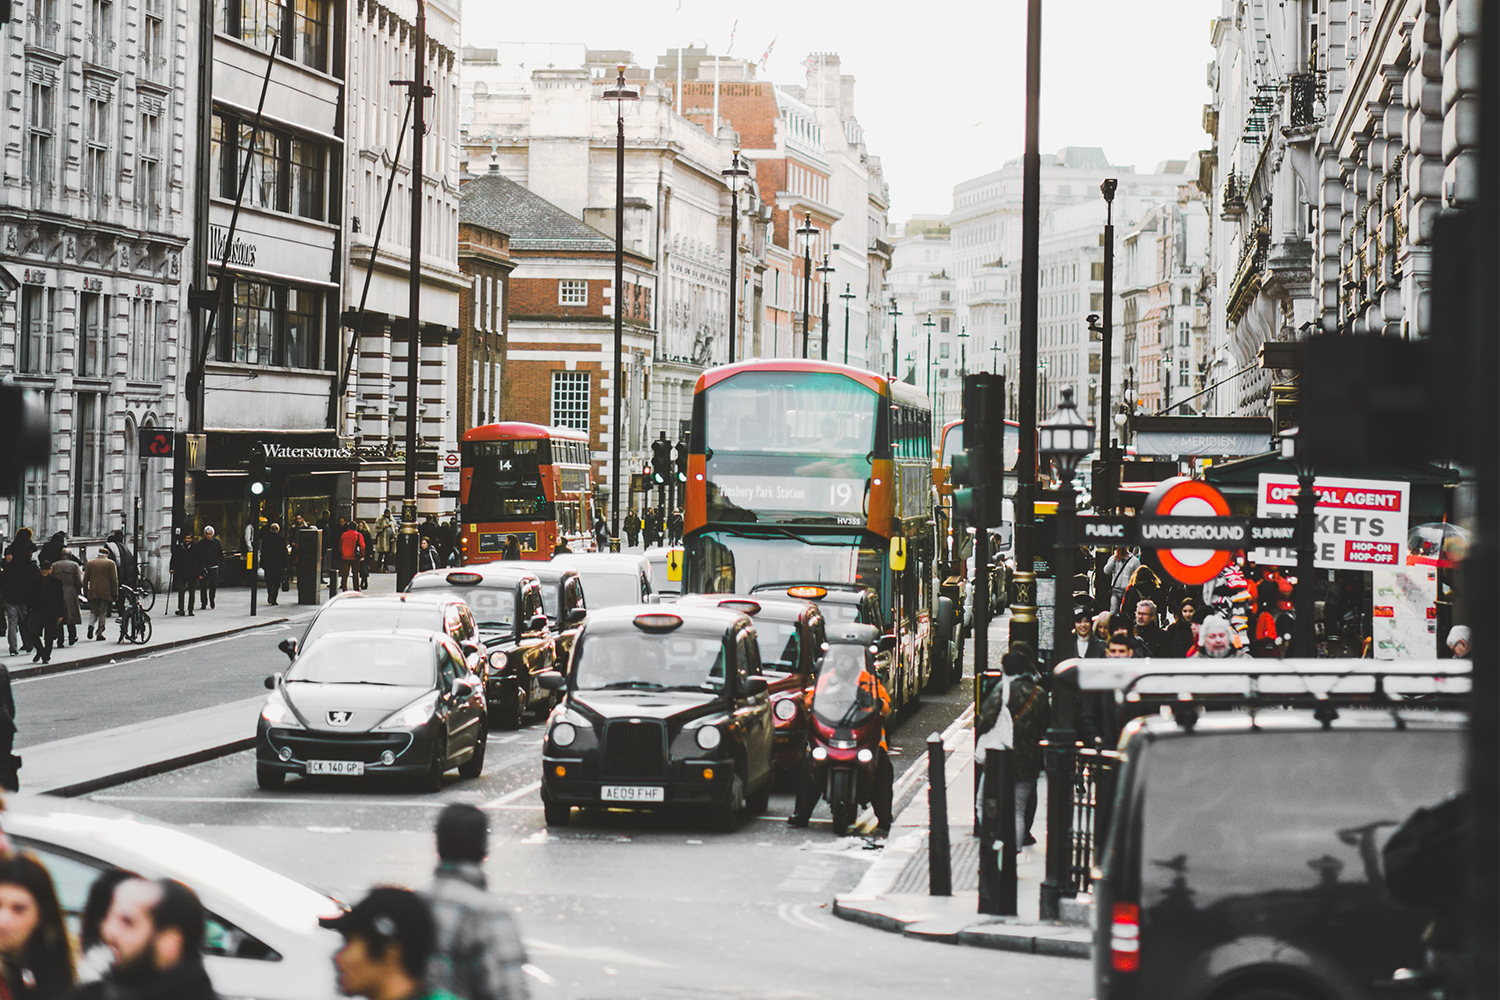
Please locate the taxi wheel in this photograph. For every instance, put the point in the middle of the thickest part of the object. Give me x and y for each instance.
(727, 817)
(474, 766)
(556, 814)
(268, 778)
(513, 710)
(758, 803)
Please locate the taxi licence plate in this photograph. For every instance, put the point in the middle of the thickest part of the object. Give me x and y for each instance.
(335, 767)
(633, 793)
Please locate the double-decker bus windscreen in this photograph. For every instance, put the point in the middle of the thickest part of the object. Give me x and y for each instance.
(732, 563)
(507, 481)
(789, 446)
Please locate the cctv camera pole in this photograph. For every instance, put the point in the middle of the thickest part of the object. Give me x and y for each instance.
(1106, 349)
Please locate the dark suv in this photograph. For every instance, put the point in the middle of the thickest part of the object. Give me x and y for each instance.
(1245, 853)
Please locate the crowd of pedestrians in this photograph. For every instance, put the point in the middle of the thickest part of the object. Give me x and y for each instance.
(654, 525)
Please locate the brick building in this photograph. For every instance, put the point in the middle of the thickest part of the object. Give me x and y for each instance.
(484, 256)
(559, 337)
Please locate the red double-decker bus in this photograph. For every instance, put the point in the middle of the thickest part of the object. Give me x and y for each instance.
(527, 481)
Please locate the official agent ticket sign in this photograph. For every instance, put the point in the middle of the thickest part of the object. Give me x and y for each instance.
(1360, 523)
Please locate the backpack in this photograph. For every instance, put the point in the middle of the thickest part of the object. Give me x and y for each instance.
(994, 724)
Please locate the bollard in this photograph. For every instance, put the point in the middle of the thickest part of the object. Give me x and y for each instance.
(997, 853)
(309, 566)
(939, 874)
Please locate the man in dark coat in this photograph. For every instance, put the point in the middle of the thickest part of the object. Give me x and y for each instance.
(16, 574)
(184, 569)
(48, 610)
(210, 555)
(153, 929)
(273, 560)
(633, 528)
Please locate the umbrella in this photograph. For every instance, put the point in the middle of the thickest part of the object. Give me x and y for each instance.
(1438, 543)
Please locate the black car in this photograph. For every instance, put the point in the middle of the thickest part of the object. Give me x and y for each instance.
(1245, 854)
(506, 601)
(354, 611)
(400, 702)
(663, 708)
(563, 600)
(790, 634)
(845, 604)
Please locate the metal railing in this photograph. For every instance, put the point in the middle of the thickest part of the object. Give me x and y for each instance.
(1094, 773)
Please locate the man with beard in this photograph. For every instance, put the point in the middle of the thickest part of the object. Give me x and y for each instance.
(152, 931)
(1148, 633)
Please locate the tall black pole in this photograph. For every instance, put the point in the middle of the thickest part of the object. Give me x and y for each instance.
(1106, 349)
(1023, 624)
(825, 270)
(1304, 642)
(806, 283)
(406, 545)
(929, 324)
(734, 247)
(617, 379)
(1059, 754)
(848, 297)
(896, 315)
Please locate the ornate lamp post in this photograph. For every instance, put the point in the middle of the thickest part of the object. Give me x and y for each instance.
(619, 93)
(734, 172)
(1304, 643)
(963, 356)
(808, 232)
(929, 324)
(848, 296)
(1066, 439)
(825, 269)
(896, 314)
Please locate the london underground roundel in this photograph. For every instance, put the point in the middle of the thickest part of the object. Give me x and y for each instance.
(1183, 497)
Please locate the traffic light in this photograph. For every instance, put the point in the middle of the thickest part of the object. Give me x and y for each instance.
(978, 472)
(680, 458)
(661, 461)
(260, 476)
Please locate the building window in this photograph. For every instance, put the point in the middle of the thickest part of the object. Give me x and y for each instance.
(41, 136)
(1096, 270)
(943, 350)
(148, 164)
(570, 400)
(89, 453)
(145, 334)
(288, 173)
(41, 31)
(303, 315)
(943, 322)
(35, 351)
(153, 56)
(573, 293)
(1184, 372)
(307, 179)
(310, 33)
(272, 325)
(1184, 334)
(100, 40)
(1187, 296)
(96, 179)
(1096, 302)
(93, 335)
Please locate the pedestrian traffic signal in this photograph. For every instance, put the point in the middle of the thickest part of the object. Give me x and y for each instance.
(978, 472)
(260, 475)
(661, 461)
(680, 460)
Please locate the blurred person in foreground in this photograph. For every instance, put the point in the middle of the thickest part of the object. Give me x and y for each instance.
(478, 953)
(388, 939)
(153, 930)
(36, 957)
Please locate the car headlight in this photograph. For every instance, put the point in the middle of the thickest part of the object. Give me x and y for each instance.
(786, 709)
(709, 737)
(413, 715)
(278, 713)
(563, 734)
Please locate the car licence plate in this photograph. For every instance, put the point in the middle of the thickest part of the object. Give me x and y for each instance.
(335, 767)
(633, 793)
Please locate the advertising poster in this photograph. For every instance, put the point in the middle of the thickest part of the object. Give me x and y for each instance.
(1361, 523)
(1404, 613)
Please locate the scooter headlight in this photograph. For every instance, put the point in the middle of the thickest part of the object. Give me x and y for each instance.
(865, 756)
(819, 753)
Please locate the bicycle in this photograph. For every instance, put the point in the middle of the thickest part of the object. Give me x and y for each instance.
(135, 621)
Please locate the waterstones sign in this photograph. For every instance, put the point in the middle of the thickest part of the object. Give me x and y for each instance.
(294, 454)
(241, 253)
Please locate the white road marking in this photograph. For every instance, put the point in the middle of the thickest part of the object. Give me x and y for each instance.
(595, 953)
(810, 876)
(267, 800)
(329, 829)
(796, 915)
(512, 796)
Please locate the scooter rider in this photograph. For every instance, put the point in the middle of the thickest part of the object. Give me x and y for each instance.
(871, 693)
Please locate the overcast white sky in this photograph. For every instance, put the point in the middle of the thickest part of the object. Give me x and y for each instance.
(939, 83)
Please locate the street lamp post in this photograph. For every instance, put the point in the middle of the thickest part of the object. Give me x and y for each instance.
(848, 296)
(619, 93)
(1066, 439)
(963, 357)
(995, 358)
(734, 173)
(1303, 638)
(808, 232)
(825, 269)
(1107, 450)
(896, 314)
(929, 324)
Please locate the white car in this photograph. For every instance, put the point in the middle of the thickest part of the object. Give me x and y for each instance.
(263, 939)
(612, 579)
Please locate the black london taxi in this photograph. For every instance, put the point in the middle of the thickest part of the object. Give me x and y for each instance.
(846, 603)
(506, 601)
(662, 709)
(1246, 854)
(563, 600)
(397, 702)
(790, 634)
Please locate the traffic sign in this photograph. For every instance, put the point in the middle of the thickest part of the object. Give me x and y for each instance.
(451, 468)
(1191, 502)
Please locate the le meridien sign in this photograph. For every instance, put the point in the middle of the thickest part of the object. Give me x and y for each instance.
(1360, 523)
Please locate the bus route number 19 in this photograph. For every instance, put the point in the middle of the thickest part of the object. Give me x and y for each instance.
(841, 495)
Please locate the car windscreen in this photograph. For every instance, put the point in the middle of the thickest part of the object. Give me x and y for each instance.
(494, 607)
(1282, 816)
(734, 563)
(780, 646)
(611, 590)
(356, 616)
(840, 612)
(839, 699)
(636, 659)
(366, 660)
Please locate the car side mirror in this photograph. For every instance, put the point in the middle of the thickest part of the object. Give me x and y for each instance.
(551, 680)
(289, 647)
(463, 688)
(887, 642)
(946, 618)
(272, 681)
(754, 686)
(538, 623)
(576, 615)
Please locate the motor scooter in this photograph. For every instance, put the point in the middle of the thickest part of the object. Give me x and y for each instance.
(846, 731)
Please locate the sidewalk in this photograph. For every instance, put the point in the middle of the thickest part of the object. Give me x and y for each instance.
(231, 614)
(893, 894)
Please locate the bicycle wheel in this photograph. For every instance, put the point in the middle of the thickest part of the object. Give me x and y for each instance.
(146, 594)
(141, 633)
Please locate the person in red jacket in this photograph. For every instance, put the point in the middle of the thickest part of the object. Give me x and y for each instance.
(351, 553)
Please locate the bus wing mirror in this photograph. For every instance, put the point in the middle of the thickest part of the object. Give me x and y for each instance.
(887, 642)
(576, 615)
(898, 554)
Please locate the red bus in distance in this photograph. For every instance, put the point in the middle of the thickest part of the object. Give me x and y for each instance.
(526, 481)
